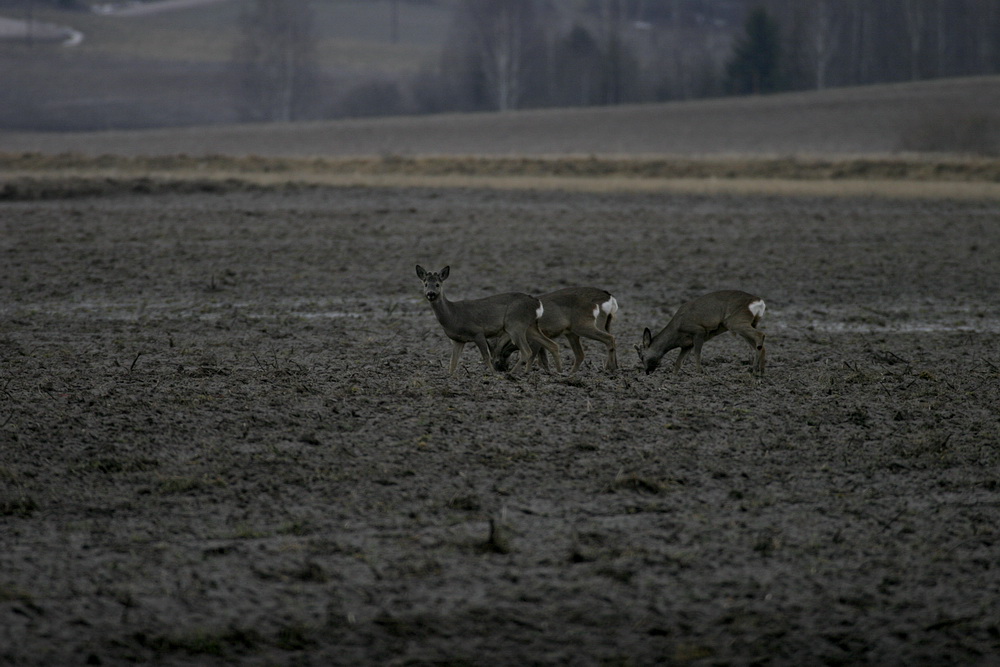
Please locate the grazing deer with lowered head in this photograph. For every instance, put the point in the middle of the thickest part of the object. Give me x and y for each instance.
(702, 319)
(476, 320)
(574, 312)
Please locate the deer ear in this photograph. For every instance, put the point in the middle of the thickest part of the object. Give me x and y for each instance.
(647, 337)
(444, 272)
(420, 272)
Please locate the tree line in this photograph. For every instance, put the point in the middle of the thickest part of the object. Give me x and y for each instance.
(515, 54)
(509, 54)
(824, 43)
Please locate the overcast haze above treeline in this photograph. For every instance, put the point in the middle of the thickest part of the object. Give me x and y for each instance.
(485, 55)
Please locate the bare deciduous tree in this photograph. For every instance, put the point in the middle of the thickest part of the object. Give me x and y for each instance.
(824, 39)
(577, 62)
(915, 17)
(275, 61)
(505, 40)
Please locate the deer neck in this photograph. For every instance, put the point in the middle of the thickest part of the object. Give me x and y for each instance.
(444, 310)
(666, 340)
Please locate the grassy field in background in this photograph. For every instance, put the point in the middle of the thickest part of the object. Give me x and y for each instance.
(350, 34)
(176, 68)
(946, 116)
(34, 175)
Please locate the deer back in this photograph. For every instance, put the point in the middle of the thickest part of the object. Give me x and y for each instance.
(492, 315)
(573, 305)
(712, 311)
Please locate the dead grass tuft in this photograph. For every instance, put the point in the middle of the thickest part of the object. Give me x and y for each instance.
(36, 176)
(635, 483)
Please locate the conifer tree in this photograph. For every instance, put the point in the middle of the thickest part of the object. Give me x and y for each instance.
(755, 65)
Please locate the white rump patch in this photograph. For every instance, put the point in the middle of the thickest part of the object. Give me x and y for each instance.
(539, 311)
(609, 307)
(757, 308)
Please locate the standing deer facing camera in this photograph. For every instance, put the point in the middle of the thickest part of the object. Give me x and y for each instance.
(476, 320)
(702, 319)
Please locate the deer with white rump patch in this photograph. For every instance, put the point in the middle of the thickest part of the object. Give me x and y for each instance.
(476, 320)
(702, 319)
(574, 312)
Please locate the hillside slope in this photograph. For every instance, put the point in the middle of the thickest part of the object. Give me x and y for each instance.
(853, 121)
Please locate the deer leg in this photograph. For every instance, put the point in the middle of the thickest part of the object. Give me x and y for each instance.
(535, 335)
(538, 353)
(758, 366)
(755, 339)
(502, 350)
(456, 352)
(501, 362)
(699, 340)
(603, 337)
(577, 347)
(612, 363)
(553, 348)
(527, 356)
(543, 359)
(484, 348)
(680, 357)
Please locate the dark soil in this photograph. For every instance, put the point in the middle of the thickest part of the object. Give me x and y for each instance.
(227, 434)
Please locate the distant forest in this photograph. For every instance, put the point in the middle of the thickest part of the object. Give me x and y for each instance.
(499, 55)
(515, 54)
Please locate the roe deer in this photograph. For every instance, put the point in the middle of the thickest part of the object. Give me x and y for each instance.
(573, 312)
(475, 320)
(702, 319)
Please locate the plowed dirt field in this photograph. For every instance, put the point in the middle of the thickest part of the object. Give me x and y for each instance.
(227, 433)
